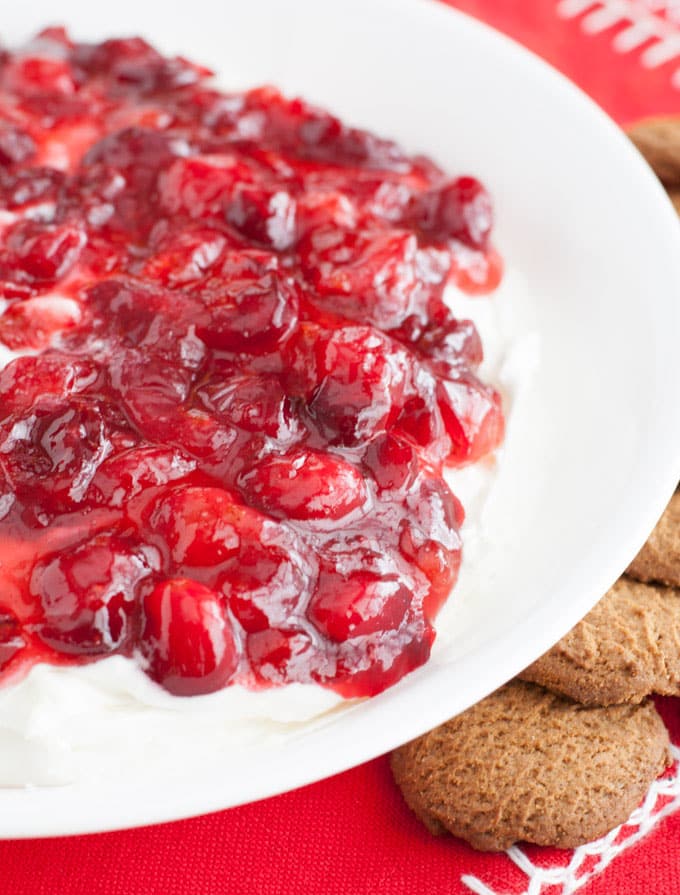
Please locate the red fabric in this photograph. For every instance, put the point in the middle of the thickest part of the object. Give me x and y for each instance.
(620, 82)
(352, 834)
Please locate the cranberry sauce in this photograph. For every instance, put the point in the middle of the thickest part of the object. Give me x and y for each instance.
(222, 449)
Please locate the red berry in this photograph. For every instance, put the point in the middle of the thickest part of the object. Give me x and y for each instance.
(264, 216)
(362, 669)
(187, 640)
(255, 404)
(363, 603)
(461, 209)
(139, 153)
(473, 417)
(279, 656)
(376, 277)
(365, 376)
(253, 307)
(153, 392)
(123, 477)
(295, 126)
(43, 253)
(302, 370)
(202, 187)
(198, 524)
(268, 582)
(305, 485)
(34, 322)
(393, 463)
(136, 67)
(186, 257)
(451, 345)
(420, 420)
(52, 454)
(438, 563)
(29, 185)
(50, 374)
(87, 595)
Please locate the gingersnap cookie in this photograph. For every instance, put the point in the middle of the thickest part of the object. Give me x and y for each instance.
(659, 559)
(658, 139)
(627, 647)
(674, 196)
(528, 765)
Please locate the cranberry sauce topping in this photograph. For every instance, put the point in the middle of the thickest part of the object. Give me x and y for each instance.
(222, 450)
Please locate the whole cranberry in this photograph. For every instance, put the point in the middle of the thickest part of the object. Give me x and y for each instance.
(372, 276)
(392, 462)
(265, 216)
(255, 403)
(131, 65)
(439, 564)
(342, 607)
(27, 186)
(202, 187)
(87, 595)
(269, 580)
(198, 524)
(152, 391)
(43, 253)
(364, 381)
(185, 257)
(451, 345)
(128, 474)
(473, 417)
(361, 668)
(52, 373)
(305, 485)
(285, 655)
(138, 153)
(187, 639)
(252, 307)
(461, 209)
(52, 453)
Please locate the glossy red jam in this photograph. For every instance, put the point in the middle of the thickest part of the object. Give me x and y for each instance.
(222, 450)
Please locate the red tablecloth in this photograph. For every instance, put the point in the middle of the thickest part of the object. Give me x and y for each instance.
(352, 834)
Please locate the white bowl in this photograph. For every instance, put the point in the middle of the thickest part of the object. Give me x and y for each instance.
(596, 456)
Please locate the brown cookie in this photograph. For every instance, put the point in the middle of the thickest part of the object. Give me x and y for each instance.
(658, 139)
(659, 559)
(627, 647)
(527, 765)
(674, 196)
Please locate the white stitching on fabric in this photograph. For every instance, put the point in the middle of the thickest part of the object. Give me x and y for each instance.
(590, 860)
(652, 24)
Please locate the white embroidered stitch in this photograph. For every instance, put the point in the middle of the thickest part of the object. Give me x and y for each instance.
(648, 24)
(589, 860)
